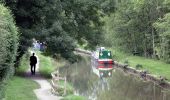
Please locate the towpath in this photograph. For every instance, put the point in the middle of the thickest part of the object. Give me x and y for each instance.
(44, 92)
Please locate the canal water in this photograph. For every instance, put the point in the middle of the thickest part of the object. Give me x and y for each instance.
(121, 86)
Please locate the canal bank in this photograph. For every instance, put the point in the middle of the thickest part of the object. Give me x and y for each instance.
(121, 86)
(162, 81)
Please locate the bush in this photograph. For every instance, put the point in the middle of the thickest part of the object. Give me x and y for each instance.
(60, 88)
(9, 45)
(126, 62)
(138, 66)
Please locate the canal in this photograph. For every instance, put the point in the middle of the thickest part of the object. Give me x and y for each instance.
(120, 86)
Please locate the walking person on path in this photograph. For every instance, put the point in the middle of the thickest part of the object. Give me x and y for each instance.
(33, 62)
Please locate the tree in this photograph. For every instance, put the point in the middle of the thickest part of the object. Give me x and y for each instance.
(162, 27)
(132, 26)
(49, 19)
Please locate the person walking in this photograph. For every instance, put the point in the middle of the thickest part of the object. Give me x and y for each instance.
(33, 62)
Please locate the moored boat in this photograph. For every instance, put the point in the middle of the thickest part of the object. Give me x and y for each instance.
(102, 62)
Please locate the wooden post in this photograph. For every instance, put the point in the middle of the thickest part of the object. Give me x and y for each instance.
(164, 95)
(55, 82)
(65, 86)
(154, 91)
(58, 78)
(76, 68)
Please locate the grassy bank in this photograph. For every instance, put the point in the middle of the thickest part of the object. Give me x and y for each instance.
(20, 87)
(155, 67)
(47, 65)
(24, 65)
(73, 97)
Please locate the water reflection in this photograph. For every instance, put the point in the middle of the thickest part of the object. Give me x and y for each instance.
(120, 86)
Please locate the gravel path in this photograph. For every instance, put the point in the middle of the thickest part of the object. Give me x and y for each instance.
(44, 92)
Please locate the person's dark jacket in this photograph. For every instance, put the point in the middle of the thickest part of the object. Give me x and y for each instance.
(33, 60)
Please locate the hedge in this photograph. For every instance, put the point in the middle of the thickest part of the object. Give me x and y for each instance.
(8, 46)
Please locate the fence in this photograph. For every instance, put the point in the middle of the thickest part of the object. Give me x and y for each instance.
(56, 85)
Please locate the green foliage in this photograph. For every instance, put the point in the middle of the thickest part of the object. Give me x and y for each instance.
(60, 88)
(140, 27)
(9, 45)
(73, 97)
(162, 26)
(19, 88)
(60, 22)
(46, 65)
(155, 67)
(79, 20)
(126, 62)
(23, 65)
(139, 66)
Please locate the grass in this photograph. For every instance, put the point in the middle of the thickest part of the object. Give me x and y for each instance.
(73, 97)
(69, 88)
(48, 65)
(156, 67)
(23, 67)
(19, 87)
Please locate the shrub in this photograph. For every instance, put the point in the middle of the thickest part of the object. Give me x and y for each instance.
(138, 66)
(126, 62)
(8, 45)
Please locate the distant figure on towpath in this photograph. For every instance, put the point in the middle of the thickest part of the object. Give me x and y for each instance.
(33, 62)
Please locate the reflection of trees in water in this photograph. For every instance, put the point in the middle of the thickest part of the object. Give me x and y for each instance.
(80, 75)
(130, 88)
(117, 87)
